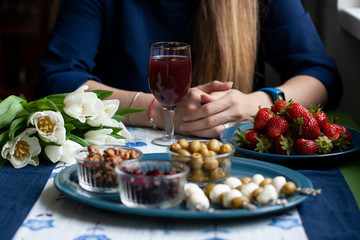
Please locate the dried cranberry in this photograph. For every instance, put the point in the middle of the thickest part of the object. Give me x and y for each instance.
(172, 172)
(154, 172)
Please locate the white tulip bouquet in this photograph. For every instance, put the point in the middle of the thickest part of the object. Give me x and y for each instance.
(54, 127)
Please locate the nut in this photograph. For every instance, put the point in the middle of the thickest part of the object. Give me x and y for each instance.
(103, 174)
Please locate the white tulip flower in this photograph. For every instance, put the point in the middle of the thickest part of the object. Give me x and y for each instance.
(124, 132)
(102, 119)
(111, 106)
(81, 105)
(63, 153)
(23, 150)
(50, 126)
(101, 137)
(105, 114)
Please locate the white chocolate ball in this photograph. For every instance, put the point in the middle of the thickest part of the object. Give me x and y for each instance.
(198, 202)
(247, 189)
(268, 195)
(217, 191)
(257, 178)
(233, 193)
(278, 183)
(190, 189)
(233, 182)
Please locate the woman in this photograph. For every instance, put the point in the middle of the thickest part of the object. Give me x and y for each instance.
(105, 45)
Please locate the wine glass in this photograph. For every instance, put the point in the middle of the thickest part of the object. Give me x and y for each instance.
(169, 76)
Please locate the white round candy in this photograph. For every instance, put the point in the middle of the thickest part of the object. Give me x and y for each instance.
(217, 191)
(233, 182)
(190, 189)
(248, 189)
(268, 195)
(257, 178)
(233, 193)
(278, 183)
(197, 202)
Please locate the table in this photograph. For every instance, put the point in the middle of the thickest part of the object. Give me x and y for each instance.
(38, 212)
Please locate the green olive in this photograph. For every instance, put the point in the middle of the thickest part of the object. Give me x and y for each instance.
(208, 189)
(183, 143)
(183, 158)
(256, 193)
(266, 181)
(288, 188)
(196, 175)
(197, 161)
(175, 147)
(239, 202)
(194, 146)
(240, 187)
(212, 153)
(184, 152)
(211, 164)
(245, 180)
(216, 174)
(214, 145)
(225, 148)
(203, 146)
(204, 152)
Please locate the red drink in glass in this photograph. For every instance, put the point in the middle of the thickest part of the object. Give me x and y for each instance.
(169, 78)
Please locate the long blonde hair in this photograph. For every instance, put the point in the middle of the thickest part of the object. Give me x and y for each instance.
(225, 46)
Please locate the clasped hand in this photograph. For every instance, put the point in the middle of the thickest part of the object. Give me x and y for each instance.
(205, 109)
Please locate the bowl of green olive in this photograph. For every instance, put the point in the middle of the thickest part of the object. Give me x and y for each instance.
(208, 160)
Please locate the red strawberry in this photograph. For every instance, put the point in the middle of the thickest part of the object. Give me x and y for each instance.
(332, 130)
(277, 126)
(295, 111)
(309, 128)
(322, 120)
(324, 144)
(279, 106)
(250, 140)
(262, 118)
(319, 115)
(345, 132)
(344, 140)
(305, 147)
(284, 145)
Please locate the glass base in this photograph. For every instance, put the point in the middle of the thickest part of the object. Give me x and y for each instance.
(165, 141)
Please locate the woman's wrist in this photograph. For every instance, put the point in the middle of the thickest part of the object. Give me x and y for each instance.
(262, 99)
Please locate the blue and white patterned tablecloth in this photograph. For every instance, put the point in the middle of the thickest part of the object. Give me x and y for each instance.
(55, 216)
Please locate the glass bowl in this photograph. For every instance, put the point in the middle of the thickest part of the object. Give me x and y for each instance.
(209, 160)
(96, 166)
(151, 183)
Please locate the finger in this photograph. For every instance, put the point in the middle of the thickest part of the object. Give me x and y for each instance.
(211, 121)
(215, 86)
(205, 98)
(208, 109)
(212, 132)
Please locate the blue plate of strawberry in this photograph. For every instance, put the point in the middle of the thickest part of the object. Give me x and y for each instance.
(289, 131)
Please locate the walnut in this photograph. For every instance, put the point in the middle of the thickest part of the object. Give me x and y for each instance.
(103, 174)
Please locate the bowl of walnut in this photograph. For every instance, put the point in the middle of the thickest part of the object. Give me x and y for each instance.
(208, 160)
(96, 166)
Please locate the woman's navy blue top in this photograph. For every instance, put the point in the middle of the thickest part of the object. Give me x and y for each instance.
(109, 41)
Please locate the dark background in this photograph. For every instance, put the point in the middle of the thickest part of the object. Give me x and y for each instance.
(24, 25)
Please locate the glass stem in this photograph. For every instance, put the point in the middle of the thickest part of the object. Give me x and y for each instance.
(169, 122)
